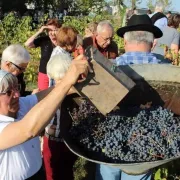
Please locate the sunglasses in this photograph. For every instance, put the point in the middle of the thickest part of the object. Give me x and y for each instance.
(18, 67)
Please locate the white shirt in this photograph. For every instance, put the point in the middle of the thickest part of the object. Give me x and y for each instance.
(160, 23)
(24, 160)
(58, 51)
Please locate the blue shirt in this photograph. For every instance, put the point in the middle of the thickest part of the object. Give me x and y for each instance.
(136, 58)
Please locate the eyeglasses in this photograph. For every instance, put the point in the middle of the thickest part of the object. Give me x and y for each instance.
(107, 39)
(18, 67)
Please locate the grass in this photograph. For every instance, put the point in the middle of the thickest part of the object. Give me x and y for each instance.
(84, 170)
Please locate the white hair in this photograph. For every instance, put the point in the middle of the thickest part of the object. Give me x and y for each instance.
(58, 65)
(159, 7)
(16, 54)
(104, 25)
(139, 37)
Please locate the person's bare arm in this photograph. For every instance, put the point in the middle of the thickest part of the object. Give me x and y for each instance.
(39, 116)
(30, 42)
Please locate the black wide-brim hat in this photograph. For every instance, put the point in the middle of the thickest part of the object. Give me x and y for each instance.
(140, 23)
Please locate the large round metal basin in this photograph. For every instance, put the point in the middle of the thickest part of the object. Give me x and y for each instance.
(156, 83)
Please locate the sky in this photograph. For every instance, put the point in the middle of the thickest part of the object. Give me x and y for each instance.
(175, 5)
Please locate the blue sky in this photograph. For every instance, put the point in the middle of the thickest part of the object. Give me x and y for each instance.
(175, 5)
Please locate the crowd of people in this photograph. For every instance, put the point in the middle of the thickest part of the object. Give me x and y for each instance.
(62, 63)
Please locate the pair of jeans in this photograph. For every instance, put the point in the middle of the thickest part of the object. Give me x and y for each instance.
(104, 172)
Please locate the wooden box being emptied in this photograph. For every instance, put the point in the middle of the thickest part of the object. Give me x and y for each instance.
(105, 88)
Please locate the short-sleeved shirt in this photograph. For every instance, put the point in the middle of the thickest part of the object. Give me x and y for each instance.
(24, 160)
(58, 51)
(170, 36)
(46, 46)
(160, 23)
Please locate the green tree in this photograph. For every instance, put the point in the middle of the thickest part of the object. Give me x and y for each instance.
(167, 3)
(87, 6)
(15, 5)
(151, 4)
(131, 3)
(134, 3)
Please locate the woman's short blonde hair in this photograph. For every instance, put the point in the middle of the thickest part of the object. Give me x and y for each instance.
(58, 65)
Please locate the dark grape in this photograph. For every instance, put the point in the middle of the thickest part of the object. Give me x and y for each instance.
(149, 135)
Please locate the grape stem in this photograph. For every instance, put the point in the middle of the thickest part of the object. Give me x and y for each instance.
(158, 156)
(141, 135)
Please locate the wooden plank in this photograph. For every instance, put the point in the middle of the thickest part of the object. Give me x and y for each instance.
(102, 89)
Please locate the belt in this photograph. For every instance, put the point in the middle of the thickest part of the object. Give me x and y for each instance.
(57, 139)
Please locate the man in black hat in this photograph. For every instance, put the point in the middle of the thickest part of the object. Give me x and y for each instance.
(138, 37)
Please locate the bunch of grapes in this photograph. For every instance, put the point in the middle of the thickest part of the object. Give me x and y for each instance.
(152, 134)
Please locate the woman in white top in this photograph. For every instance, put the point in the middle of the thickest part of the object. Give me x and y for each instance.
(66, 41)
(22, 119)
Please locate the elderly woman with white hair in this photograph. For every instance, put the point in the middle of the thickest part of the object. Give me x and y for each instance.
(15, 59)
(58, 160)
(23, 119)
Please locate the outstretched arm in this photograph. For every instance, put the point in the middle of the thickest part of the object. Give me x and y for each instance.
(39, 116)
(30, 42)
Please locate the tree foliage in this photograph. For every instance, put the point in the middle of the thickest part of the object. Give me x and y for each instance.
(15, 5)
(167, 4)
(134, 3)
(79, 6)
(89, 5)
(14, 30)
